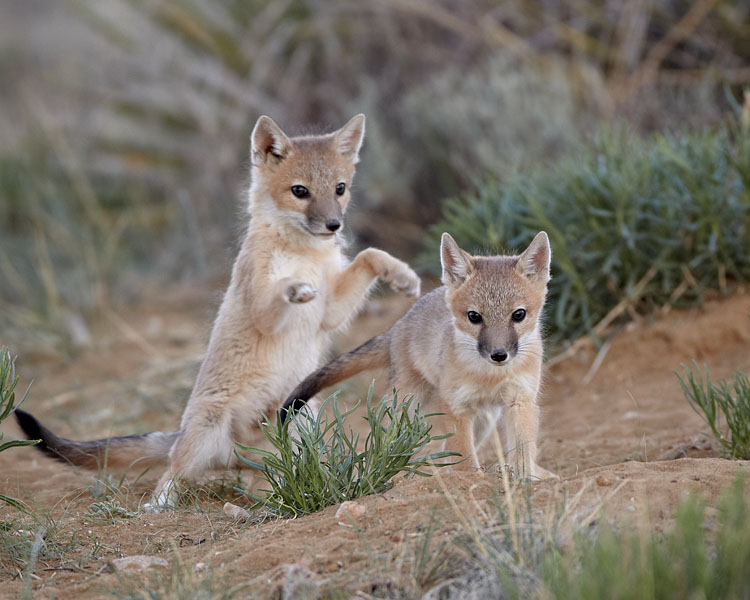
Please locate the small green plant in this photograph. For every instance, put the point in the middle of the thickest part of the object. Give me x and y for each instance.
(317, 464)
(725, 402)
(8, 382)
(107, 512)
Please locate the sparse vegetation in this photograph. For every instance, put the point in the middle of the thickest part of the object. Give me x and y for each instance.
(178, 582)
(699, 558)
(317, 462)
(724, 406)
(518, 556)
(634, 224)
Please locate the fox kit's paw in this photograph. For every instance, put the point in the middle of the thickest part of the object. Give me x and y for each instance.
(540, 473)
(545, 474)
(401, 277)
(300, 292)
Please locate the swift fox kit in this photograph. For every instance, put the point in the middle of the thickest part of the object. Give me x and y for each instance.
(291, 289)
(468, 348)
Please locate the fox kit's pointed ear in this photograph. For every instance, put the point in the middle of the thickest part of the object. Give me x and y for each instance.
(534, 262)
(268, 140)
(349, 138)
(457, 265)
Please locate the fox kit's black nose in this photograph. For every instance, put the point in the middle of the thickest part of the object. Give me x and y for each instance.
(499, 355)
(333, 224)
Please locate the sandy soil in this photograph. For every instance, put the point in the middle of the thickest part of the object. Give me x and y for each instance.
(622, 437)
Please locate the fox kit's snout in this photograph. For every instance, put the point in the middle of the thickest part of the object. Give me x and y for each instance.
(495, 303)
(306, 180)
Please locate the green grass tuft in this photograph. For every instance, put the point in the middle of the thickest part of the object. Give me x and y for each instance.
(725, 402)
(317, 463)
(8, 382)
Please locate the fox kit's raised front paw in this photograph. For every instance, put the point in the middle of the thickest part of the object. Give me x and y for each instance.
(401, 277)
(300, 292)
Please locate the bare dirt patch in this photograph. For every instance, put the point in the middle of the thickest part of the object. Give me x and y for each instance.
(623, 438)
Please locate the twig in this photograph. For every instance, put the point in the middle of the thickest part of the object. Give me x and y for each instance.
(602, 325)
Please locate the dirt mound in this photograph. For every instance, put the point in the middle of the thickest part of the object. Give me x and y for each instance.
(620, 434)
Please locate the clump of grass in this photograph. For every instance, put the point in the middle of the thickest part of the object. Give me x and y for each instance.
(519, 556)
(8, 382)
(316, 462)
(634, 224)
(717, 402)
(686, 564)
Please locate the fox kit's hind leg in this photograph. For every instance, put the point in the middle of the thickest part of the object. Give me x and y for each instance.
(205, 443)
(350, 286)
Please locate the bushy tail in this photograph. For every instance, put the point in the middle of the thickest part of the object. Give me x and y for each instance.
(115, 453)
(372, 354)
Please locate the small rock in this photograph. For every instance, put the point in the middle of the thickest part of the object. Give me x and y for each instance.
(235, 512)
(137, 563)
(603, 481)
(200, 567)
(397, 537)
(351, 509)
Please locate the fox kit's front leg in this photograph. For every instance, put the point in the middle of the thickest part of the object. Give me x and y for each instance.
(270, 311)
(350, 286)
(521, 425)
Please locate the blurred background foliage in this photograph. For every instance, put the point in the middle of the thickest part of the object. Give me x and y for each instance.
(125, 123)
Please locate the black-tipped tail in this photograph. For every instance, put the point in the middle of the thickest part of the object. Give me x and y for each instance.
(116, 452)
(373, 354)
(34, 430)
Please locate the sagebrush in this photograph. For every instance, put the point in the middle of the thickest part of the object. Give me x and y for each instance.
(317, 460)
(634, 223)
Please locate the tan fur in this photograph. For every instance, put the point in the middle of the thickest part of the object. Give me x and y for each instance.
(442, 358)
(291, 289)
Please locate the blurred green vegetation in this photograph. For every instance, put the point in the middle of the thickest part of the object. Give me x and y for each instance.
(687, 563)
(634, 224)
(124, 148)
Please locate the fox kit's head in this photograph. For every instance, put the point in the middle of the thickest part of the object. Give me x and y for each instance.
(496, 301)
(304, 181)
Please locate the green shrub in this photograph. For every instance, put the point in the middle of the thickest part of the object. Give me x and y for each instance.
(717, 402)
(317, 464)
(8, 382)
(640, 222)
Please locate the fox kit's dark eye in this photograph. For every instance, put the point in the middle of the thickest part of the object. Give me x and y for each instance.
(518, 315)
(474, 317)
(340, 189)
(300, 191)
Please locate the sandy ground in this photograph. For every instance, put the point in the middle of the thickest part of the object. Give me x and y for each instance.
(622, 437)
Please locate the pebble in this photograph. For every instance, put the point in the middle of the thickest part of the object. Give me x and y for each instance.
(351, 509)
(137, 563)
(235, 512)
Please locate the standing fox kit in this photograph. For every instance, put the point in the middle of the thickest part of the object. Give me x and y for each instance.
(291, 289)
(465, 350)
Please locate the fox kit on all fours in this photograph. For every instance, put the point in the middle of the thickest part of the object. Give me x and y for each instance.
(291, 289)
(466, 350)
